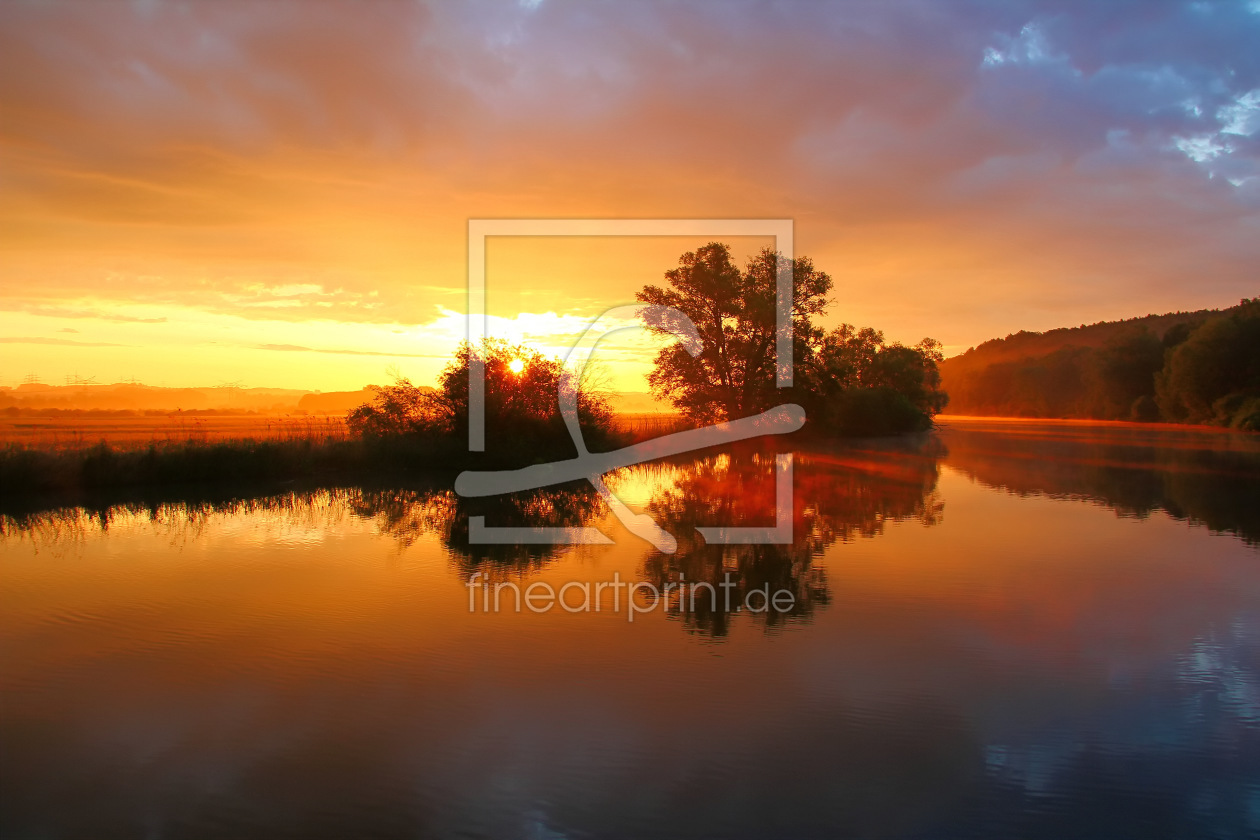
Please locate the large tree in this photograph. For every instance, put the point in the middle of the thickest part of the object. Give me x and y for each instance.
(734, 312)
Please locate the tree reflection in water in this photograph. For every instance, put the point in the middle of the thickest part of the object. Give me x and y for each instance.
(407, 514)
(839, 494)
(1205, 476)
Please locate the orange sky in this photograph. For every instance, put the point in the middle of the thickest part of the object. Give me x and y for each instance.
(278, 194)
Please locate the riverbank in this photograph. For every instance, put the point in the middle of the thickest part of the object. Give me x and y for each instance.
(946, 419)
(41, 475)
(72, 471)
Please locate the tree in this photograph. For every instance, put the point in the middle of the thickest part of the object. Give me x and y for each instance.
(522, 408)
(1214, 375)
(734, 313)
(854, 383)
(850, 380)
(398, 409)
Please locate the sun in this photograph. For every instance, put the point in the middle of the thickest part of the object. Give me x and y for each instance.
(516, 365)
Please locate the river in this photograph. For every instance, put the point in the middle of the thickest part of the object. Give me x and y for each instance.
(1000, 629)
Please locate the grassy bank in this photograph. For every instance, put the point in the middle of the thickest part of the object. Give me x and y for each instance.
(27, 471)
(38, 476)
(41, 474)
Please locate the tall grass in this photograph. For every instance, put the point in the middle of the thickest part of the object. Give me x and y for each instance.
(311, 452)
(29, 473)
(640, 427)
(299, 452)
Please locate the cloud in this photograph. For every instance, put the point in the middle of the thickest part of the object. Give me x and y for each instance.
(964, 169)
(1028, 47)
(1200, 149)
(1242, 117)
(102, 315)
(59, 341)
(296, 348)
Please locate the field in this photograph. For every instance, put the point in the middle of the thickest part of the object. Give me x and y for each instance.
(125, 429)
(642, 426)
(128, 429)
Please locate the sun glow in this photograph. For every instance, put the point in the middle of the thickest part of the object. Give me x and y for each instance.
(516, 365)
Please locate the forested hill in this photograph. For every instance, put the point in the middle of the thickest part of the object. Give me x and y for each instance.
(1025, 344)
(1184, 367)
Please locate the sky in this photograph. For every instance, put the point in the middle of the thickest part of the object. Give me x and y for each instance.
(277, 194)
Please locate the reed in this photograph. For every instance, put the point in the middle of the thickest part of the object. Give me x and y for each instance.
(70, 469)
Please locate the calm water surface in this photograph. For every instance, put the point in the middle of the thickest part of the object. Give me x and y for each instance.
(1001, 630)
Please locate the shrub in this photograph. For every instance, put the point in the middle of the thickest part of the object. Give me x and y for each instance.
(873, 411)
(522, 408)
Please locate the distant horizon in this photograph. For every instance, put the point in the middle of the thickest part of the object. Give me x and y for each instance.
(282, 388)
(643, 363)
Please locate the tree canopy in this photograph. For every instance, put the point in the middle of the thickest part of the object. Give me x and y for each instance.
(734, 313)
(521, 404)
(854, 382)
(1214, 375)
(849, 380)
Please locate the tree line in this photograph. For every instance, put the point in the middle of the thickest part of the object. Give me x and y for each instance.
(1203, 370)
(851, 381)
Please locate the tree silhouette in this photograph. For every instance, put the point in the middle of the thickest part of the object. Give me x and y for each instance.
(849, 380)
(521, 407)
(855, 383)
(734, 312)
